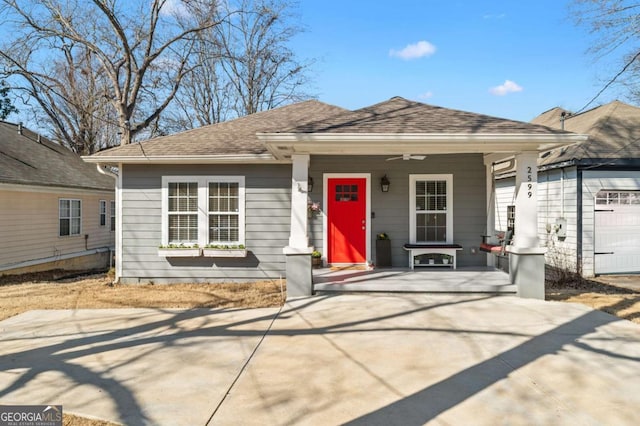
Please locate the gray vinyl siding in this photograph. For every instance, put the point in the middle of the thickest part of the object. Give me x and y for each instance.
(592, 182)
(391, 209)
(267, 222)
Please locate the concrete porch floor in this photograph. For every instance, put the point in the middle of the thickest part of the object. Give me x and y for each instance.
(424, 280)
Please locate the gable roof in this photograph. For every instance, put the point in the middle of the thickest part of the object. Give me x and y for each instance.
(234, 137)
(396, 125)
(613, 129)
(28, 159)
(401, 116)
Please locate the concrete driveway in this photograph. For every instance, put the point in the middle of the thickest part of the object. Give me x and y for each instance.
(405, 359)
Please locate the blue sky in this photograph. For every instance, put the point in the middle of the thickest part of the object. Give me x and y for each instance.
(530, 52)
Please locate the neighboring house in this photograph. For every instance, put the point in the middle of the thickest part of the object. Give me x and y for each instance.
(249, 182)
(56, 211)
(588, 193)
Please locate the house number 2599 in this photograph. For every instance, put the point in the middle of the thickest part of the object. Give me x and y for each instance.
(529, 185)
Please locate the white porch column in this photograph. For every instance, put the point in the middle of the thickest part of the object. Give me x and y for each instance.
(526, 221)
(298, 237)
(526, 258)
(298, 253)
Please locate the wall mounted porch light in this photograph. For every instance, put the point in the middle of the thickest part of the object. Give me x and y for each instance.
(384, 183)
(310, 184)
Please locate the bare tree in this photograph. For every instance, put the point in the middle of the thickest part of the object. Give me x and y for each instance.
(616, 27)
(243, 65)
(138, 49)
(203, 97)
(71, 99)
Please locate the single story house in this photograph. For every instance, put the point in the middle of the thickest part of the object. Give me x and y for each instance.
(589, 192)
(251, 198)
(56, 211)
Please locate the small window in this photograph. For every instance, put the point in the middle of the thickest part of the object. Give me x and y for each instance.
(346, 192)
(70, 217)
(113, 215)
(103, 213)
(618, 197)
(511, 218)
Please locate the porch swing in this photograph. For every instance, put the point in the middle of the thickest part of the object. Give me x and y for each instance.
(504, 238)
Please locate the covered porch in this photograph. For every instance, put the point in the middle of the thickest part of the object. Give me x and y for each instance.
(406, 280)
(422, 174)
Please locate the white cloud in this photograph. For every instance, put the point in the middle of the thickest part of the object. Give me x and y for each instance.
(507, 87)
(414, 51)
(425, 95)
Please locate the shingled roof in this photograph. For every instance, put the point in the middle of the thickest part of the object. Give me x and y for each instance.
(395, 116)
(613, 129)
(27, 159)
(231, 137)
(402, 116)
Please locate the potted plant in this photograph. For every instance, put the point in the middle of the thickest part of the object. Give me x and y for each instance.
(446, 259)
(224, 250)
(313, 209)
(316, 259)
(179, 250)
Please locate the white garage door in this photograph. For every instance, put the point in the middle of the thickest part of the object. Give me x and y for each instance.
(617, 232)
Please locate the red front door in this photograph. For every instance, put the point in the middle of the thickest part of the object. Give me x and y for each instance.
(347, 235)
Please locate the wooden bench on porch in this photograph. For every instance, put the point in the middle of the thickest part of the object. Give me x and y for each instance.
(416, 249)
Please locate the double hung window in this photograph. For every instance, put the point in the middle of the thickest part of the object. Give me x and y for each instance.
(224, 212)
(103, 213)
(203, 210)
(70, 217)
(431, 218)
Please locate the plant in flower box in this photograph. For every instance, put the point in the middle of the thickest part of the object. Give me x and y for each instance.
(224, 250)
(179, 250)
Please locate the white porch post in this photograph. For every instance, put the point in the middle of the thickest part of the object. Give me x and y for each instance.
(526, 220)
(298, 252)
(526, 257)
(300, 173)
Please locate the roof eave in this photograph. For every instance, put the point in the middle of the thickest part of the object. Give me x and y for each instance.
(183, 159)
(282, 145)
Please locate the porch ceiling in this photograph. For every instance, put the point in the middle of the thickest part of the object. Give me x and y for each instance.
(283, 145)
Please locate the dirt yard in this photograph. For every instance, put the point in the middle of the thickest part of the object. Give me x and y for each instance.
(619, 296)
(50, 291)
(44, 291)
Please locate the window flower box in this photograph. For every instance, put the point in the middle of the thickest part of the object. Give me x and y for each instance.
(178, 251)
(225, 251)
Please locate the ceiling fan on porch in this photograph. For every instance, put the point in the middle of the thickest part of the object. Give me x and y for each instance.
(408, 157)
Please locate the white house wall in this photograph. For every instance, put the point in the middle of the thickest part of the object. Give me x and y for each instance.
(592, 182)
(557, 199)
